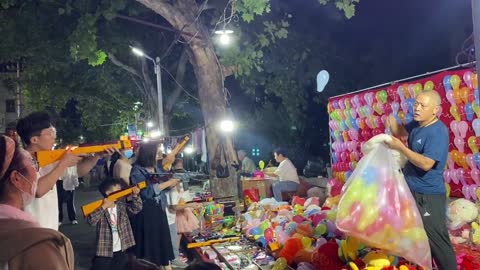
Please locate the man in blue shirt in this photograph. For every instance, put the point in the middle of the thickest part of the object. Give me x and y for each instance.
(427, 153)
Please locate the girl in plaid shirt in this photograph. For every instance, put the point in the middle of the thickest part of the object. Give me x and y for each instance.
(114, 232)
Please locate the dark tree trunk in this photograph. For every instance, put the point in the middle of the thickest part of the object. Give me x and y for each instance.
(182, 16)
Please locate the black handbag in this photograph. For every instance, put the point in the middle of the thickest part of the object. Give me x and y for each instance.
(222, 171)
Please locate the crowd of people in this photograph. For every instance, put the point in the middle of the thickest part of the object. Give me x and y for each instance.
(146, 225)
(139, 232)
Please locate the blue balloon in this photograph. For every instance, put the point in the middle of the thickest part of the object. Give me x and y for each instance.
(469, 111)
(369, 175)
(476, 158)
(335, 104)
(446, 83)
(322, 80)
(410, 104)
(344, 125)
(408, 118)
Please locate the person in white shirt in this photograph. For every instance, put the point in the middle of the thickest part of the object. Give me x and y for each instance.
(66, 194)
(38, 134)
(286, 174)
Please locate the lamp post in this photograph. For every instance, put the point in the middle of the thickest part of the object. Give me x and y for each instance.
(158, 72)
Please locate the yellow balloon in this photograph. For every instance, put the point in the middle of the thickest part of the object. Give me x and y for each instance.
(454, 112)
(417, 88)
(428, 86)
(261, 164)
(447, 188)
(472, 143)
(455, 81)
(476, 109)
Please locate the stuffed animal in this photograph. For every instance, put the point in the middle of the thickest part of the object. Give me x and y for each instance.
(375, 260)
(461, 212)
(475, 233)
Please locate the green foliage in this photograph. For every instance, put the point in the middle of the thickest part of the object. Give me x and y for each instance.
(83, 42)
(347, 6)
(248, 9)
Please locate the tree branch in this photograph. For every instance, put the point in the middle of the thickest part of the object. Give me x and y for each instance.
(179, 77)
(118, 63)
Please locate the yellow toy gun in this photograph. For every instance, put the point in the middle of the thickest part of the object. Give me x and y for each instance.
(91, 207)
(168, 161)
(47, 157)
(211, 242)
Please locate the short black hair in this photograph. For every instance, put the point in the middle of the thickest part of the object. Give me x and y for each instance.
(106, 185)
(32, 125)
(203, 266)
(280, 151)
(147, 154)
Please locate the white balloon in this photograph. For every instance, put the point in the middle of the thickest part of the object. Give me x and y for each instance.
(322, 80)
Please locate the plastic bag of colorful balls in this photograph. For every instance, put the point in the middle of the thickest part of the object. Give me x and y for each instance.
(305, 236)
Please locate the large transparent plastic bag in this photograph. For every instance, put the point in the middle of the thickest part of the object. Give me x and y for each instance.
(376, 206)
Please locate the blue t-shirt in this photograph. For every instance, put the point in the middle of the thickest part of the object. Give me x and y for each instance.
(431, 141)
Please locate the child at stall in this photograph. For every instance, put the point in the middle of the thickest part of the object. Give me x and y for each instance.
(181, 220)
(114, 232)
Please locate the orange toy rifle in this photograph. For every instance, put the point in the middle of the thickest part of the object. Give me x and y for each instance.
(91, 207)
(167, 164)
(211, 242)
(47, 157)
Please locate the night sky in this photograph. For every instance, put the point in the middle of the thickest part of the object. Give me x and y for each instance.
(385, 41)
(407, 37)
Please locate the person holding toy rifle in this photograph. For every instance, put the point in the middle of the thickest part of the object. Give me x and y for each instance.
(427, 154)
(150, 226)
(38, 134)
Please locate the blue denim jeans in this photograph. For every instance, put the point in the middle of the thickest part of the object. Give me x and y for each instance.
(280, 186)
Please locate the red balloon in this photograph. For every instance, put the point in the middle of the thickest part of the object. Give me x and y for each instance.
(376, 131)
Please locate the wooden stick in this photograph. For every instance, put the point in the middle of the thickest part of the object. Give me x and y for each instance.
(91, 207)
(47, 157)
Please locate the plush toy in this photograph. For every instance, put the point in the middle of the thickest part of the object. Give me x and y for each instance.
(461, 212)
(375, 260)
(475, 233)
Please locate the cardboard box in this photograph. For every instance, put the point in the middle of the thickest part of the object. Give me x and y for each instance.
(264, 187)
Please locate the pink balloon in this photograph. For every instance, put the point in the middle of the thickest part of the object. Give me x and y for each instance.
(473, 192)
(467, 77)
(341, 104)
(410, 90)
(395, 106)
(368, 110)
(400, 93)
(475, 174)
(462, 128)
(450, 97)
(450, 162)
(466, 192)
(470, 161)
(459, 144)
(454, 128)
(353, 112)
(453, 175)
(446, 176)
(461, 176)
(268, 234)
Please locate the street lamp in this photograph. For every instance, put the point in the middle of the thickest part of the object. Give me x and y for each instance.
(226, 126)
(156, 64)
(224, 36)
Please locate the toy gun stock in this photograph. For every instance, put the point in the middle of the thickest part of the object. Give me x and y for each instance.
(211, 242)
(47, 157)
(171, 156)
(91, 207)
